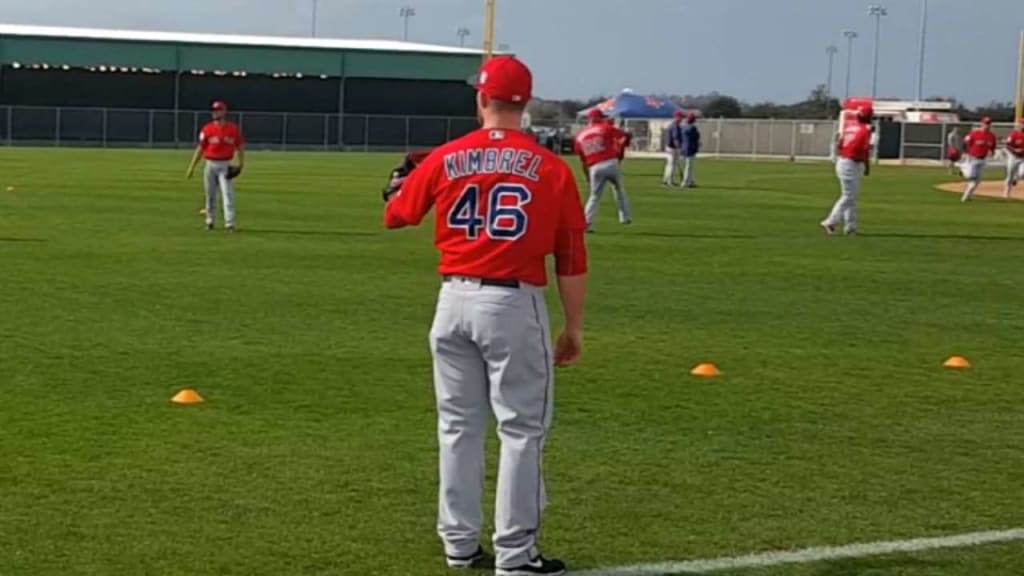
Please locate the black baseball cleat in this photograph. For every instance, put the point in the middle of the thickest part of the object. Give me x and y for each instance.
(539, 565)
(230, 228)
(479, 560)
(209, 225)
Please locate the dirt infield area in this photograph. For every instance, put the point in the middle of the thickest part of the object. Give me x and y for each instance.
(991, 188)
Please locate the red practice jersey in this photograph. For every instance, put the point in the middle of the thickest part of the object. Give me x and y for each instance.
(503, 204)
(599, 143)
(980, 144)
(1015, 143)
(856, 143)
(219, 141)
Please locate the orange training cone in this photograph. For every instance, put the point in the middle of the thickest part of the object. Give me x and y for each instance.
(706, 371)
(957, 363)
(187, 396)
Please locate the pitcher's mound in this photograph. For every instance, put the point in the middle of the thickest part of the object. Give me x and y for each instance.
(992, 189)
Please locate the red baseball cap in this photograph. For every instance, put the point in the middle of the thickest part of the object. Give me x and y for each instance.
(505, 78)
(595, 114)
(219, 106)
(678, 115)
(986, 120)
(691, 117)
(866, 111)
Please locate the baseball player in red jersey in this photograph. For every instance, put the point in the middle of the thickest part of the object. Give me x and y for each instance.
(599, 147)
(503, 203)
(980, 144)
(854, 150)
(221, 143)
(1014, 158)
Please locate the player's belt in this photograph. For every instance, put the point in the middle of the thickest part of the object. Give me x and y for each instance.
(487, 281)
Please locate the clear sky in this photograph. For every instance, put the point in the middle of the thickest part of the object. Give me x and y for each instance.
(753, 49)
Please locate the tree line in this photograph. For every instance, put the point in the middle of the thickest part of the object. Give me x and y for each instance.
(817, 105)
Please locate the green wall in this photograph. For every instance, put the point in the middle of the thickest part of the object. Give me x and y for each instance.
(255, 59)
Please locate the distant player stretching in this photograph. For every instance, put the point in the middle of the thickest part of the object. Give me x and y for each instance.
(600, 147)
(1015, 158)
(854, 149)
(220, 143)
(981, 144)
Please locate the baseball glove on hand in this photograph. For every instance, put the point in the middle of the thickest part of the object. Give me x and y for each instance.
(399, 174)
(234, 172)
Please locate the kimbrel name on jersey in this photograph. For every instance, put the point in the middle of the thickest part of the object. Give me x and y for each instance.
(473, 161)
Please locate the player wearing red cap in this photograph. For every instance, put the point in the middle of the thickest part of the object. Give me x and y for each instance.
(1015, 158)
(854, 150)
(503, 203)
(981, 144)
(599, 147)
(673, 150)
(220, 143)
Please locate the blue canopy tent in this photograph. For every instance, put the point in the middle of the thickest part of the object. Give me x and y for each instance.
(631, 106)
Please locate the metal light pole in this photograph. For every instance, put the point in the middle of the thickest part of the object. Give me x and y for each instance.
(462, 33)
(850, 37)
(831, 51)
(312, 31)
(406, 12)
(877, 11)
(924, 43)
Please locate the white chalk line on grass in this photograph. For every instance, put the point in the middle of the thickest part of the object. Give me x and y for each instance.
(808, 555)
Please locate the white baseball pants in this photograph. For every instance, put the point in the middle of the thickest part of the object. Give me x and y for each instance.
(973, 170)
(689, 171)
(850, 175)
(672, 165)
(1014, 171)
(492, 354)
(216, 173)
(601, 175)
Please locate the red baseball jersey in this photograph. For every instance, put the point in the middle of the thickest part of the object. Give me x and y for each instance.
(980, 144)
(219, 141)
(856, 143)
(1015, 143)
(503, 204)
(599, 143)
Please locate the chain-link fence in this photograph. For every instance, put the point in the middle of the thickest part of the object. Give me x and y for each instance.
(797, 139)
(808, 139)
(100, 127)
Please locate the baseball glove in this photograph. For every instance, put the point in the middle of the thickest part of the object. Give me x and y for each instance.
(399, 174)
(234, 172)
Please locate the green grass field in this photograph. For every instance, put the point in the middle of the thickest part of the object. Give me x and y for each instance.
(315, 454)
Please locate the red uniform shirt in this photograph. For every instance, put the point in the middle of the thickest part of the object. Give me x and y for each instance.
(219, 141)
(504, 203)
(1015, 143)
(856, 143)
(980, 144)
(599, 143)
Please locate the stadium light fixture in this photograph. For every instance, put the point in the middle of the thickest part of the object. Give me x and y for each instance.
(406, 13)
(850, 37)
(876, 11)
